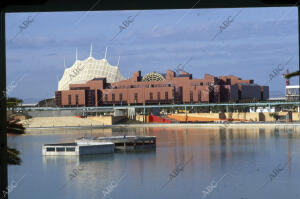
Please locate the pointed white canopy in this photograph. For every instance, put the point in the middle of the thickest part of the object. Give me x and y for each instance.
(105, 53)
(91, 51)
(118, 62)
(84, 70)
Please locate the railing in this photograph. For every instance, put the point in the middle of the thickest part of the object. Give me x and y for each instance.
(60, 149)
(155, 106)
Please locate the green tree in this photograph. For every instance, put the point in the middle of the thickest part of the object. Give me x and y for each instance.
(12, 102)
(13, 156)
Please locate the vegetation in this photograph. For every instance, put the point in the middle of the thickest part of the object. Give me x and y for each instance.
(274, 115)
(13, 102)
(13, 156)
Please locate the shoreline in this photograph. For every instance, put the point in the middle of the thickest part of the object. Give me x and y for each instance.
(161, 125)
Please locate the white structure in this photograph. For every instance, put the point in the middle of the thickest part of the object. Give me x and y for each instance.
(80, 147)
(84, 70)
(292, 93)
(262, 110)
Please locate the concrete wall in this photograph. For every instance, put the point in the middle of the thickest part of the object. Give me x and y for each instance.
(62, 113)
(244, 116)
(263, 117)
(105, 120)
(108, 120)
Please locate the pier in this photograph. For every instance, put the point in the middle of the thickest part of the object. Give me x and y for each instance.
(98, 145)
(129, 143)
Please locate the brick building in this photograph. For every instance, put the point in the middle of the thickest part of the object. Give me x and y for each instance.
(156, 88)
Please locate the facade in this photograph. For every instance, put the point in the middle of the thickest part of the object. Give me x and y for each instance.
(292, 92)
(84, 70)
(155, 88)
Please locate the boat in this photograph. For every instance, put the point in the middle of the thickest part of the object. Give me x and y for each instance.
(98, 145)
(81, 146)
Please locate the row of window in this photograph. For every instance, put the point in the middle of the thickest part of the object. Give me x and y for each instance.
(113, 98)
(70, 99)
(202, 84)
(135, 97)
(141, 86)
(192, 96)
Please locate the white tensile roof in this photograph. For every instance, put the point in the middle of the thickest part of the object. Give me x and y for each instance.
(84, 70)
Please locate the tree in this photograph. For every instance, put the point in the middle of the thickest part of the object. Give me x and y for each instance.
(12, 102)
(293, 74)
(274, 115)
(13, 156)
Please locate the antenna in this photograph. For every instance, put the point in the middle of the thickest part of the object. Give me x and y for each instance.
(287, 81)
(76, 54)
(91, 51)
(118, 62)
(105, 53)
(65, 63)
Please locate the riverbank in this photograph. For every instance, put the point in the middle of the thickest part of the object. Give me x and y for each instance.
(281, 126)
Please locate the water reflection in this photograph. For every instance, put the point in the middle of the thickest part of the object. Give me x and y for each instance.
(245, 156)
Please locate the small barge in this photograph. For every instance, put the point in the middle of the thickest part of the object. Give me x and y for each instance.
(86, 147)
(98, 145)
(129, 143)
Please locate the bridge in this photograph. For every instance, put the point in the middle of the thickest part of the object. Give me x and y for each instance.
(185, 106)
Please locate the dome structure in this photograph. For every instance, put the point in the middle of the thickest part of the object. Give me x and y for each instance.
(153, 77)
(84, 70)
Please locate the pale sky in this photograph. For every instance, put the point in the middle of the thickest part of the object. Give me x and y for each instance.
(251, 47)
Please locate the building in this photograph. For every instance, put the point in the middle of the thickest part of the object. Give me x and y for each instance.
(292, 93)
(156, 88)
(84, 70)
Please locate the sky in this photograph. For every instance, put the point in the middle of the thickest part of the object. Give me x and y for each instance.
(254, 43)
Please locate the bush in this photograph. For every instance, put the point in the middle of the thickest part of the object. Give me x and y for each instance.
(274, 115)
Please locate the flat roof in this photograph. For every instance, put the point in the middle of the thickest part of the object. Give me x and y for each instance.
(293, 86)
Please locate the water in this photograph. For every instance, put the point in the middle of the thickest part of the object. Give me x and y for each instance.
(210, 162)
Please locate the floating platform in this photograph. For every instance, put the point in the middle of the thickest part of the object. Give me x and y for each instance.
(79, 148)
(98, 145)
(129, 143)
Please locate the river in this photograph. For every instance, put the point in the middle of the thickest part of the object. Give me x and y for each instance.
(187, 163)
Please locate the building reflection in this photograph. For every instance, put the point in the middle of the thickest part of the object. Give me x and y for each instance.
(225, 148)
(211, 149)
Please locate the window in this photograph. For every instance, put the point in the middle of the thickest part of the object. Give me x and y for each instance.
(69, 99)
(135, 97)
(70, 149)
(105, 97)
(113, 97)
(191, 96)
(60, 149)
(151, 96)
(199, 96)
(121, 97)
(158, 95)
(76, 99)
(166, 95)
(50, 149)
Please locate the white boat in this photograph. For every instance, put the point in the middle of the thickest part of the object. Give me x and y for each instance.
(79, 147)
